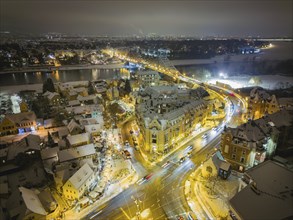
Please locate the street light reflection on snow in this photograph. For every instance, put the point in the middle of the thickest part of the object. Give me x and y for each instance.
(223, 75)
(145, 213)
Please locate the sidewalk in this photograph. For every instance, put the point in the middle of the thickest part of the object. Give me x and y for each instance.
(208, 199)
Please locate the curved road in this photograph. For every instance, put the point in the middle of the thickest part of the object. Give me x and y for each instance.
(162, 196)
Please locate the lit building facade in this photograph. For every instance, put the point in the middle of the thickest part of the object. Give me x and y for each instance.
(148, 78)
(79, 183)
(250, 143)
(166, 114)
(53, 97)
(18, 123)
(261, 103)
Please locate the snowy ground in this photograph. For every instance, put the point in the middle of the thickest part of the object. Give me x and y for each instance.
(266, 81)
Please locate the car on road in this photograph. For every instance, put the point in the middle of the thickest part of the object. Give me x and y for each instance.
(147, 177)
(189, 148)
(188, 155)
(166, 164)
(181, 160)
(144, 179)
(205, 136)
(191, 216)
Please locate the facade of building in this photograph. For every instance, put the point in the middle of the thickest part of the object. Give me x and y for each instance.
(250, 143)
(79, 183)
(18, 123)
(261, 103)
(166, 114)
(148, 78)
(23, 107)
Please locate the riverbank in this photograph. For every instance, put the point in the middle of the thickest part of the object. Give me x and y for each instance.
(67, 67)
(277, 52)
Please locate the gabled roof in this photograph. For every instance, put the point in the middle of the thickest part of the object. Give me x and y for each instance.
(49, 153)
(52, 95)
(32, 201)
(78, 138)
(22, 117)
(77, 152)
(72, 124)
(81, 176)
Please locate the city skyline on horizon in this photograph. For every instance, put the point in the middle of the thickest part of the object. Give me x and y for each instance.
(165, 18)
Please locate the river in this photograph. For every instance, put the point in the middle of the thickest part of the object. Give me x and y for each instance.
(199, 68)
(9, 79)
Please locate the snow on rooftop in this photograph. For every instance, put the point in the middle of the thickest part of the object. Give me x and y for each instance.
(49, 153)
(32, 201)
(74, 103)
(274, 201)
(78, 138)
(72, 124)
(93, 128)
(81, 176)
(77, 152)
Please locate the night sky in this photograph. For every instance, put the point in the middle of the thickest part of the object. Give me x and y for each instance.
(196, 18)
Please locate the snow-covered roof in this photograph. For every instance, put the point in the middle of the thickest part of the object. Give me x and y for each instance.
(77, 152)
(80, 89)
(81, 109)
(281, 118)
(74, 103)
(63, 132)
(78, 179)
(72, 124)
(52, 95)
(285, 101)
(78, 138)
(88, 121)
(32, 201)
(22, 117)
(30, 142)
(260, 94)
(271, 198)
(93, 128)
(49, 153)
(86, 98)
